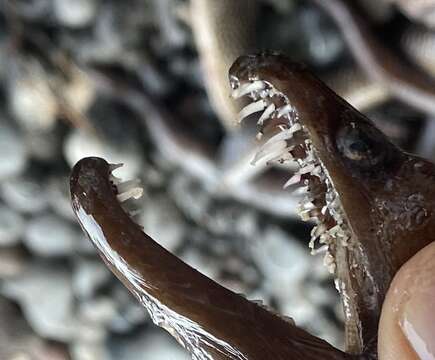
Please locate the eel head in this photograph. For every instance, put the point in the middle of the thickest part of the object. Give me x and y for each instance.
(372, 204)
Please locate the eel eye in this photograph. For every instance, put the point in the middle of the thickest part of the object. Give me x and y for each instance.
(362, 144)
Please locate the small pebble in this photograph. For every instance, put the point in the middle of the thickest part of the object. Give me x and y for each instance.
(163, 222)
(31, 99)
(11, 226)
(43, 145)
(276, 252)
(75, 14)
(88, 277)
(13, 262)
(46, 297)
(13, 153)
(49, 235)
(25, 194)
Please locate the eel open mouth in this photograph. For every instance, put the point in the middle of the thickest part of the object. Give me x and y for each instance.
(372, 204)
(291, 141)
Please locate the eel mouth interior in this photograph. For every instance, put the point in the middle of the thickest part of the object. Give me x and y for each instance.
(290, 141)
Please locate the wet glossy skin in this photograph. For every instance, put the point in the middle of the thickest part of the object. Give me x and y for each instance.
(202, 315)
(387, 197)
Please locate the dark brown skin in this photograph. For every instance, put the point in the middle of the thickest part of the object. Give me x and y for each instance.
(387, 197)
(204, 316)
(380, 63)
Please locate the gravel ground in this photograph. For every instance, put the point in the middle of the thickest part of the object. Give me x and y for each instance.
(57, 61)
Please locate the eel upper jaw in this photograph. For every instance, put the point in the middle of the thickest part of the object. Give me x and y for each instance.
(265, 80)
(314, 127)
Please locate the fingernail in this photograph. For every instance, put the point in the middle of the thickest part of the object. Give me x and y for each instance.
(418, 322)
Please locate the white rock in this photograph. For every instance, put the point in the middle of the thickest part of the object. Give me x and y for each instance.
(11, 226)
(31, 99)
(162, 221)
(24, 194)
(88, 277)
(13, 154)
(77, 13)
(280, 256)
(49, 235)
(46, 297)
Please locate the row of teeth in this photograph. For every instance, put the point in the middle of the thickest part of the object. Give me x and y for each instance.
(288, 319)
(270, 309)
(278, 149)
(127, 191)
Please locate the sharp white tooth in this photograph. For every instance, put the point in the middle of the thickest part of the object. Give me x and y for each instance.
(251, 109)
(271, 156)
(248, 88)
(305, 216)
(282, 135)
(127, 185)
(310, 157)
(296, 178)
(306, 169)
(281, 158)
(135, 193)
(284, 110)
(270, 152)
(324, 209)
(329, 262)
(321, 250)
(301, 190)
(295, 127)
(318, 230)
(317, 171)
(308, 205)
(334, 230)
(325, 238)
(115, 166)
(266, 114)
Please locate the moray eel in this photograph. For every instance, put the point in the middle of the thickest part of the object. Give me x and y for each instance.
(371, 203)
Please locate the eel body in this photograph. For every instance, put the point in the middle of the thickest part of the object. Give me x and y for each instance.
(223, 30)
(372, 204)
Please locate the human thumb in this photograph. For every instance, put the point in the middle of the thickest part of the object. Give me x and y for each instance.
(407, 325)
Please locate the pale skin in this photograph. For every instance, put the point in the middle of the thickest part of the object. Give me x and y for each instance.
(407, 325)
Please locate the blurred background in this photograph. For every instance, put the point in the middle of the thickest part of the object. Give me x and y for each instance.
(143, 82)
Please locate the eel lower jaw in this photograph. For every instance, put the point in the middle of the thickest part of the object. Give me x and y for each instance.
(207, 319)
(291, 141)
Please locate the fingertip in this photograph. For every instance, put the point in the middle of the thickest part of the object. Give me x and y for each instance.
(407, 324)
